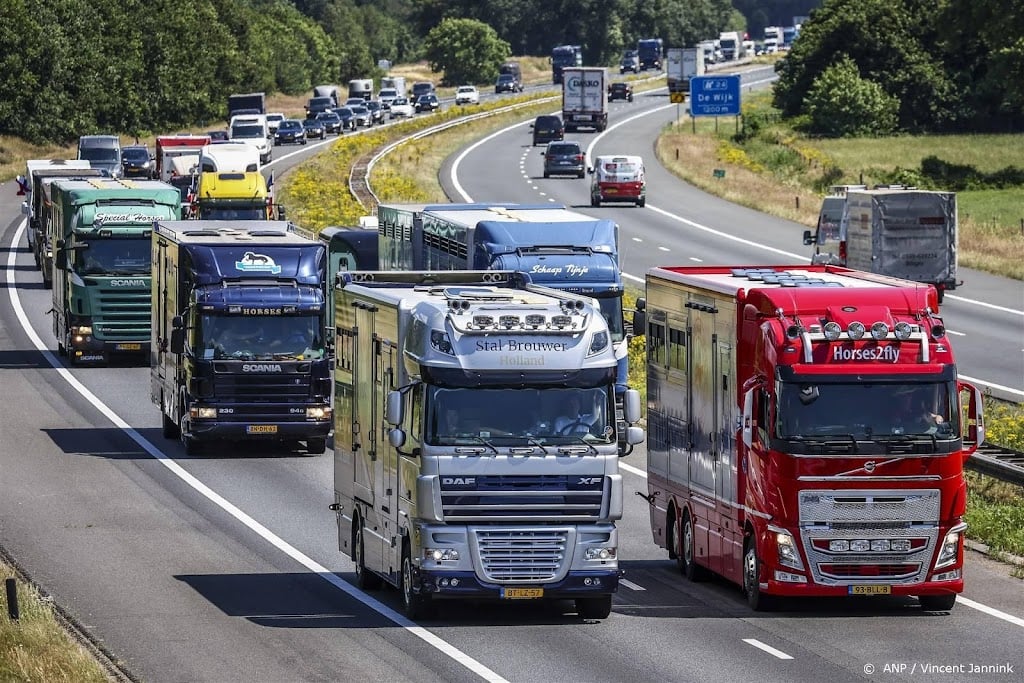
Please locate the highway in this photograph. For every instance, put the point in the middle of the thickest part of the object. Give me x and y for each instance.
(225, 567)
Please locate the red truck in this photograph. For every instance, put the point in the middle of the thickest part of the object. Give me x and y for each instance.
(807, 432)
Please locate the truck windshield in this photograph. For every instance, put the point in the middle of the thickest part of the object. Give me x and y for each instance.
(113, 256)
(100, 154)
(866, 410)
(513, 416)
(247, 132)
(233, 213)
(237, 337)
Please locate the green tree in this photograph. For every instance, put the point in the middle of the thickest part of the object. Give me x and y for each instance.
(465, 50)
(842, 104)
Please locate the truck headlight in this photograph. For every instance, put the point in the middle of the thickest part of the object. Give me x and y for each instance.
(318, 413)
(785, 548)
(82, 330)
(440, 554)
(950, 550)
(599, 343)
(203, 413)
(606, 553)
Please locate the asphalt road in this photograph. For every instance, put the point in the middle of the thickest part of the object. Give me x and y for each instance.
(225, 567)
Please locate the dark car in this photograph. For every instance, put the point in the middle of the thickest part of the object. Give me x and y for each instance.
(332, 122)
(376, 112)
(347, 116)
(427, 103)
(361, 114)
(421, 88)
(547, 128)
(137, 162)
(507, 83)
(290, 130)
(314, 129)
(564, 158)
(218, 135)
(620, 90)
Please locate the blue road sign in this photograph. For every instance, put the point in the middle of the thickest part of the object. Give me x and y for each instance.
(715, 96)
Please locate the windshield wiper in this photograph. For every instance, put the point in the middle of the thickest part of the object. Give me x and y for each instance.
(480, 439)
(538, 444)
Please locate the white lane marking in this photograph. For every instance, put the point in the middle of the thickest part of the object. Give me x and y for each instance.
(991, 611)
(955, 334)
(992, 385)
(767, 648)
(630, 585)
(423, 634)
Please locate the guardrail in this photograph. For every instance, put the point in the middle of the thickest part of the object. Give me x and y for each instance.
(1001, 463)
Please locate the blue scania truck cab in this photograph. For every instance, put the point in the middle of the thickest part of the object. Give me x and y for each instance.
(241, 341)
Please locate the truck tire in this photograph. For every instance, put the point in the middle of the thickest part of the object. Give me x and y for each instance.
(316, 446)
(594, 608)
(415, 605)
(595, 200)
(170, 427)
(687, 553)
(756, 600)
(937, 603)
(642, 201)
(365, 579)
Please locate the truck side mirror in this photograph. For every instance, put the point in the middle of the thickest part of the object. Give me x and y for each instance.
(640, 318)
(280, 213)
(396, 437)
(631, 406)
(809, 237)
(60, 259)
(394, 409)
(748, 417)
(177, 340)
(177, 323)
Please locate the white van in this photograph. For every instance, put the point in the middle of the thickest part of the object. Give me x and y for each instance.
(617, 178)
(253, 130)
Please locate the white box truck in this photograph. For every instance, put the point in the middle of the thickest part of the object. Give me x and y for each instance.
(905, 233)
(683, 64)
(584, 98)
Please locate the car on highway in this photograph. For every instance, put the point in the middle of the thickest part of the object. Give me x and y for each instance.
(507, 83)
(617, 178)
(332, 121)
(376, 111)
(467, 94)
(347, 116)
(360, 114)
(547, 128)
(427, 103)
(620, 90)
(421, 88)
(630, 62)
(400, 108)
(290, 131)
(137, 162)
(387, 96)
(352, 101)
(565, 157)
(274, 120)
(314, 129)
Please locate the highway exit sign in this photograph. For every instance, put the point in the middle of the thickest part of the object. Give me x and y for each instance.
(715, 96)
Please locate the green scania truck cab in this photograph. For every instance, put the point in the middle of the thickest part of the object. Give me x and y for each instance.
(101, 267)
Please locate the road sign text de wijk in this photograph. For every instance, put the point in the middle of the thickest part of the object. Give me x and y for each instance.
(715, 95)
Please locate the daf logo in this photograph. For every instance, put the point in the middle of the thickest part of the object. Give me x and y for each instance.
(261, 367)
(458, 481)
(130, 282)
(588, 481)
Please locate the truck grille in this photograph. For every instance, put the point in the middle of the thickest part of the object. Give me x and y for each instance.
(522, 556)
(121, 315)
(262, 388)
(905, 516)
(508, 498)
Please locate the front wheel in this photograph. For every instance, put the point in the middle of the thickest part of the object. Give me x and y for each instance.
(595, 201)
(937, 603)
(416, 605)
(758, 601)
(642, 201)
(594, 608)
(316, 446)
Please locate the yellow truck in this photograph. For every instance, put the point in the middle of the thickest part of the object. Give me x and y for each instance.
(230, 195)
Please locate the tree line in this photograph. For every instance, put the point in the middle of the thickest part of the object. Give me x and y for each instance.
(135, 67)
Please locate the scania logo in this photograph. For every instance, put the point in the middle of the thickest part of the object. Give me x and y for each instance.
(458, 481)
(261, 367)
(129, 282)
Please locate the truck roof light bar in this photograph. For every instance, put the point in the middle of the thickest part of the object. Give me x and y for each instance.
(879, 330)
(856, 330)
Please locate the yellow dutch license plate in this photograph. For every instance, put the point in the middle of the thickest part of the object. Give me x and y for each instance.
(870, 590)
(613, 190)
(261, 429)
(522, 593)
(129, 347)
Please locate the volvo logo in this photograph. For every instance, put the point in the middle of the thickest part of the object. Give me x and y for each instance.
(261, 367)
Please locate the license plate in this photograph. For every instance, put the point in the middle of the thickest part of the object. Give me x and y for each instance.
(870, 590)
(261, 429)
(128, 347)
(522, 593)
(612, 190)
